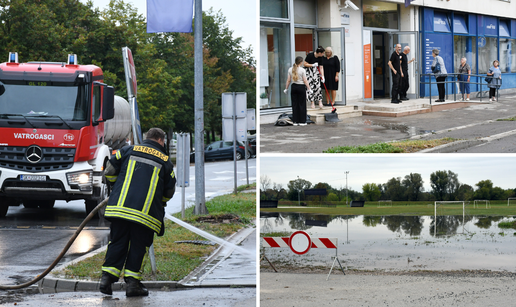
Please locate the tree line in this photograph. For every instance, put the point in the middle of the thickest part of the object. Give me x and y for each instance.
(445, 186)
(48, 30)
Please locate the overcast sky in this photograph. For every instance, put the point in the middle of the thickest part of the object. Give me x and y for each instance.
(241, 16)
(378, 168)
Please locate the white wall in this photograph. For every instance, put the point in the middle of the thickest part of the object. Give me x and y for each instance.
(497, 8)
(329, 17)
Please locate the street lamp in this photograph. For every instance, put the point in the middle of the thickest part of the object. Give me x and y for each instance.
(298, 194)
(346, 172)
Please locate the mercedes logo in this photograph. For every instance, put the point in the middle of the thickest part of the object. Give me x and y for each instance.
(34, 154)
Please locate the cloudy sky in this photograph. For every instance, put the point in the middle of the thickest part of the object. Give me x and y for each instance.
(242, 19)
(378, 168)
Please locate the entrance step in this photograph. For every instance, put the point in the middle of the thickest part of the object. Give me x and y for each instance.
(317, 115)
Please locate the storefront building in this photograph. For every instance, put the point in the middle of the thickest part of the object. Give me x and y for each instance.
(365, 32)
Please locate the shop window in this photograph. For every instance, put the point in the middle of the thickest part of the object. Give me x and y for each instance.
(465, 46)
(305, 12)
(459, 24)
(504, 28)
(507, 55)
(275, 52)
(441, 22)
(380, 14)
(487, 53)
(274, 8)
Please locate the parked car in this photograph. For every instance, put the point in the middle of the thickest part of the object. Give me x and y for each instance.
(252, 144)
(222, 150)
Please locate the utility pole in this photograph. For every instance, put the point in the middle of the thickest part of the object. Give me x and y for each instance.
(200, 199)
(298, 194)
(346, 172)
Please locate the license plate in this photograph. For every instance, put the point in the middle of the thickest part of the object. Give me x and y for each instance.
(33, 177)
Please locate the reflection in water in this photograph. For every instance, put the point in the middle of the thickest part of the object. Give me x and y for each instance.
(486, 221)
(400, 242)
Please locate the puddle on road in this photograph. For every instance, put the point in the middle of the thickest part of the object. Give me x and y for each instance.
(395, 243)
(385, 127)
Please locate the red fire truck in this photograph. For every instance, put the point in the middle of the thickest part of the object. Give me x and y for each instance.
(58, 126)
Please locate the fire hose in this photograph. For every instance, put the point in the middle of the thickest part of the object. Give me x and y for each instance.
(63, 252)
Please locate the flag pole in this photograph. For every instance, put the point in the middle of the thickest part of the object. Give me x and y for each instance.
(200, 200)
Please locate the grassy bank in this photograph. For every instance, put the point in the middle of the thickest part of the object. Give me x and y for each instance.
(405, 146)
(227, 214)
(398, 208)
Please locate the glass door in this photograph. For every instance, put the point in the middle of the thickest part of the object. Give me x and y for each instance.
(408, 38)
(334, 38)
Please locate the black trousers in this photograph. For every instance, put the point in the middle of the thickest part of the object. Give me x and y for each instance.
(440, 87)
(298, 97)
(492, 92)
(404, 84)
(129, 245)
(396, 82)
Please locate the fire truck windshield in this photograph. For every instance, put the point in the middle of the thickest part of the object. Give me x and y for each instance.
(35, 98)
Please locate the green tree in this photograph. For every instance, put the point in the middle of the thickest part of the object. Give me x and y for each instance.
(413, 184)
(453, 185)
(394, 189)
(439, 182)
(484, 189)
(296, 187)
(371, 191)
(465, 192)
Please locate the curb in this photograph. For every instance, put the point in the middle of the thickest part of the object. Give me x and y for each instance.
(453, 147)
(56, 285)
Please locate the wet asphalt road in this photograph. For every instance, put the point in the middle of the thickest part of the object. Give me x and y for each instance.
(471, 123)
(32, 238)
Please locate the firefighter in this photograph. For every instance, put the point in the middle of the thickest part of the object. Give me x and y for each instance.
(143, 181)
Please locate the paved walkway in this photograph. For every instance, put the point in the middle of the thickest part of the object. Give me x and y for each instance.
(474, 124)
(283, 289)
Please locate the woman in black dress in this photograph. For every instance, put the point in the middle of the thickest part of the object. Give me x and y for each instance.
(312, 63)
(331, 66)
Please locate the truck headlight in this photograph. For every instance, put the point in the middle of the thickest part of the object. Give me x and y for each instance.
(80, 179)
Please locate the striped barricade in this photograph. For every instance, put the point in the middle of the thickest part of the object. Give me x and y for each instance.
(300, 243)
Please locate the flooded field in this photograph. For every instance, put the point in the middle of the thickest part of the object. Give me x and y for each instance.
(395, 243)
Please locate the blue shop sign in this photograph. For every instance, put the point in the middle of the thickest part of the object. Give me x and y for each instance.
(441, 22)
(459, 24)
(490, 26)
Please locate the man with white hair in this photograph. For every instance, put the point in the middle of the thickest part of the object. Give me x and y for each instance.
(464, 75)
(404, 73)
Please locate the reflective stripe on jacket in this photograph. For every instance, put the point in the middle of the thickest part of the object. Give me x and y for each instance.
(144, 181)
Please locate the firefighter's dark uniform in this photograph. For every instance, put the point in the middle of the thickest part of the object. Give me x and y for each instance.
(144, 181)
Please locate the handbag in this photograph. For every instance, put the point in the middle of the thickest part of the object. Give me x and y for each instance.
(488, 79)
(437, 68)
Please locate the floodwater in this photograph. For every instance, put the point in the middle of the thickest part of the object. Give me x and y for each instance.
(383, 127)
(395, 243)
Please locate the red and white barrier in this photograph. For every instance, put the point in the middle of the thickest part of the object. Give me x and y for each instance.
(300, 243)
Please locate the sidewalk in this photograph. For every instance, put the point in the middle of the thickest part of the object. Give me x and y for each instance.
(226, 278)
(472, 122)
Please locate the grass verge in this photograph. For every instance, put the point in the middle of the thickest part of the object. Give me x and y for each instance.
(227, 214)
(405, 146)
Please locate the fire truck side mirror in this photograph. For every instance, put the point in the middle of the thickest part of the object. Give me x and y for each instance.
(108, 104)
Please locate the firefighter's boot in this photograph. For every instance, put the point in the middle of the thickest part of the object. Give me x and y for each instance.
(105, 283)
(135, 287)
